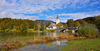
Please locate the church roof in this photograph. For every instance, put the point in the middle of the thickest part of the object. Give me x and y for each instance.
(57, 17)
(52, 25)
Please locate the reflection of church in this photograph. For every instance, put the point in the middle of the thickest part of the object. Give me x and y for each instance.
(53, 25)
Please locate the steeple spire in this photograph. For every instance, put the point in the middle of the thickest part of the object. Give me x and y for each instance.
(57, 17)
(57, 20)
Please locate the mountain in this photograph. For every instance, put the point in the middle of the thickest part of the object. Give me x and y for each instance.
(44, 21)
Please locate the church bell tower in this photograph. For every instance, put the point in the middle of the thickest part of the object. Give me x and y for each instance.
(57, 20)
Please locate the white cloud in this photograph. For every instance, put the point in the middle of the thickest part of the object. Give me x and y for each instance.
(50, 17)
(80, 15)
(76, 15)
(95, 3)
(4, 3)
(37, 6)
(41, 14)
(32, 17)
(19, 16)
(53, 18)
(9, 7)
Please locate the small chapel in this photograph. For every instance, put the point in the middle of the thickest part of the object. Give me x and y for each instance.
(53, 25)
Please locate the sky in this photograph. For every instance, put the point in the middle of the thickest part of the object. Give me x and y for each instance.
(49, 9)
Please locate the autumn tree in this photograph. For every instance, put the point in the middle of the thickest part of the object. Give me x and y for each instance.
(82, 22)
(59, 25)
(77, 24)
(23, 28)
(18, 24)
(65, 25)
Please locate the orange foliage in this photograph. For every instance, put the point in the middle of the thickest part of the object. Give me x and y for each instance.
(66, 36)
(21, 25)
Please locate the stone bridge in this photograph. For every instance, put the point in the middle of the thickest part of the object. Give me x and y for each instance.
(73, 29)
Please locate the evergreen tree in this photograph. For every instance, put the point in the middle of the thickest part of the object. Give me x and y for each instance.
(48, 24)
(2, 26)
(42, 27)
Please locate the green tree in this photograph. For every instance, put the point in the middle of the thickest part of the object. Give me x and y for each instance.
(97, 21)
(82, 22)
(48, 24)
(2, 26)
(70, 23)
(77, 24)
(42, 26)
(65, 25)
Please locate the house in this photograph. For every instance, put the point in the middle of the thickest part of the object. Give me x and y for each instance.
(52, 26)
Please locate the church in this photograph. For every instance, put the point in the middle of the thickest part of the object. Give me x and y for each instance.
(53, 25)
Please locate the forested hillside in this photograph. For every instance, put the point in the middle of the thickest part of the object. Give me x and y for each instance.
(82, 22)
(20, 25)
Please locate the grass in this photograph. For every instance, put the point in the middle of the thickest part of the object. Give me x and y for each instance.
(51, 30)
(83, 45)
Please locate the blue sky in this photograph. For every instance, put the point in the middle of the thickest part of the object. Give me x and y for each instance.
(49, 9)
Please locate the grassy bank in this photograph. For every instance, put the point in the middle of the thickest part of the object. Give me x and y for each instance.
(83, 45)
(15, 44)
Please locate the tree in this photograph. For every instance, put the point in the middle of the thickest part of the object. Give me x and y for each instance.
(82, 22)
(2, 26)
(59, 25)
(97, 21)
(18, 24)
(77, 24)
(37, 27)
(70, 23)
(48, 24)
(42, 27)
(65, 25)
(23, 28)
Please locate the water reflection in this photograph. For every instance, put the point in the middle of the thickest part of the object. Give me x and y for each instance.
(25, 36)
(43, 47)
(54, 46)
(58, 42)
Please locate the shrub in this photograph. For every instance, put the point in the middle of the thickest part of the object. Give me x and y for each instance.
(88, 31)
(11, 45)
(1, 31)
(30, 30)
(7, 30)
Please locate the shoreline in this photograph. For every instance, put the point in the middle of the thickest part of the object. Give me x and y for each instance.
(18, 44)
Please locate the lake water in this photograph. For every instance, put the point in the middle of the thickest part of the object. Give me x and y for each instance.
(52, 46)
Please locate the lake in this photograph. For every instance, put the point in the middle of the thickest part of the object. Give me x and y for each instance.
(51, 46)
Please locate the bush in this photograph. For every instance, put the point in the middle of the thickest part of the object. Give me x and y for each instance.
(30, 30)
(1, 31)
(7, 30)
(88, 31)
